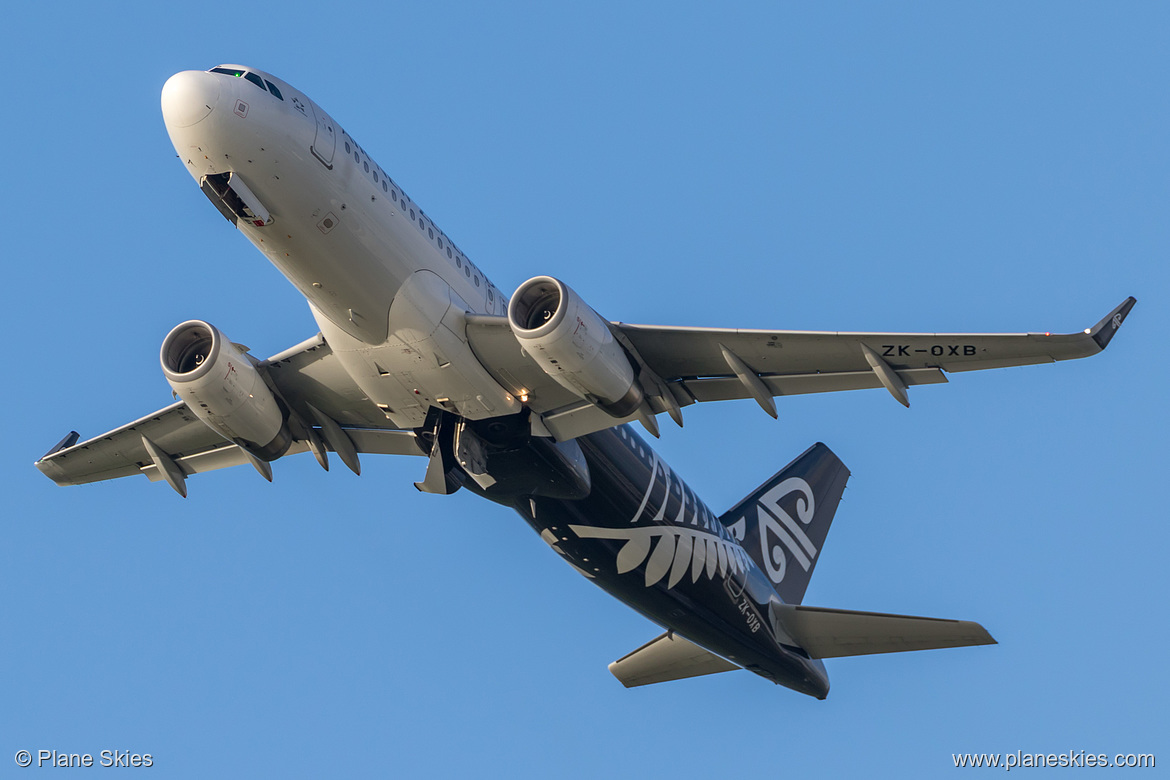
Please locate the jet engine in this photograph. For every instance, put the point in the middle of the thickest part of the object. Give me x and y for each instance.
(574, 345)
(223, 388)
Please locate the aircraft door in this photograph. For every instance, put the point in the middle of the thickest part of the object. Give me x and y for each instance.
(325, 141)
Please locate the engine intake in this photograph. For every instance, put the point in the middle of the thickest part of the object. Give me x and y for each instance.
(574, 345)
(223, 388)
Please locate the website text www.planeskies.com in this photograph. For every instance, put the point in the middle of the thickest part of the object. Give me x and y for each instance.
(1070, 758)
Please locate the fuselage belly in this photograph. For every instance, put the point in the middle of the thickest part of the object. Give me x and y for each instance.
(389, 291)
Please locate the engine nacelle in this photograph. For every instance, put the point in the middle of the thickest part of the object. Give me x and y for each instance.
(574, 345)
(224, 389)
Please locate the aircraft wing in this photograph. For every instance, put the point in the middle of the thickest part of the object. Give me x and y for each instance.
(719, 364)
(305, 374)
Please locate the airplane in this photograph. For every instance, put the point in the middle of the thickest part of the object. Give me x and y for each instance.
(526, 400)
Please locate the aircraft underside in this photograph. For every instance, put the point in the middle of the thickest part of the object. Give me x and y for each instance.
(525, 400)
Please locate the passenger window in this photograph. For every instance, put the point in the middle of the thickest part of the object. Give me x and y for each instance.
(477, 280)
(458, 263)
(347, 149)
(375, 177)
(449, 255)
(366, 166)
(252, 77)
(490, 296)
(467, 271)
(356, 157)
(431, 233)
(272, 88)
(440, 242)
(384, 187)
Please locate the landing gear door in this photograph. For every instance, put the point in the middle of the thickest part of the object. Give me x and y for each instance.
(326, 140)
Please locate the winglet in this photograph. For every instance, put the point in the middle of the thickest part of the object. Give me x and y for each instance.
(1103, 331)
(64, 444)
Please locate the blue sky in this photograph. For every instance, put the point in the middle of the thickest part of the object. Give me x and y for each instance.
(916, 167)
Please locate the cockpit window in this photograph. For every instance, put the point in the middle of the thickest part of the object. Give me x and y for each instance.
(272, 88)
(252, 77)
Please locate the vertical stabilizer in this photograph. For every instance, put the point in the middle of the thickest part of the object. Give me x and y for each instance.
(782, 525)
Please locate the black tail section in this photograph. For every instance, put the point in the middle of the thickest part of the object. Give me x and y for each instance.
(782, 525)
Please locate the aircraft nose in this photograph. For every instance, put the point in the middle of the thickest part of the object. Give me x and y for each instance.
(189, 97)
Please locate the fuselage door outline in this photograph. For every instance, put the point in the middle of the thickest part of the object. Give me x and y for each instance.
(325, 141)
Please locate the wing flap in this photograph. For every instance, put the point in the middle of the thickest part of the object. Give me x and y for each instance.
(210, 460)
(729, 388)
(668, 657)
(837, 633)
(384, 442)
(373, 442)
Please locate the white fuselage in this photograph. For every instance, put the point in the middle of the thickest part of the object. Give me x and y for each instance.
(388, 289)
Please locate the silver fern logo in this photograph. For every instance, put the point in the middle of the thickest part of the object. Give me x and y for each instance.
(779, 532)
(677, 552)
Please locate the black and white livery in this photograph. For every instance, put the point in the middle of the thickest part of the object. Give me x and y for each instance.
(526, 400)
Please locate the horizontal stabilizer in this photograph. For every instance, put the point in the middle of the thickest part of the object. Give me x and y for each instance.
(666, 658)
(836, 633)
